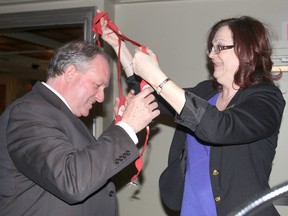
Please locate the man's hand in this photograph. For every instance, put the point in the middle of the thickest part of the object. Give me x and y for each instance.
(117, 101)
(140, 109)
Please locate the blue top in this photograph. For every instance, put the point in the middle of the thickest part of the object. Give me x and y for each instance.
(198, 197)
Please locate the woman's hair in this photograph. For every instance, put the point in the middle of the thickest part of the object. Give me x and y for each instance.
(252, 47)
(78, 52)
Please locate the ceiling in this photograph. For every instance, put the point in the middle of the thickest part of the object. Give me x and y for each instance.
(10, 2)
(25, 53)
(139, 1)
(28, 40)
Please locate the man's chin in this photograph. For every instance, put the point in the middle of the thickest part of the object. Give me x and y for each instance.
(85, 114)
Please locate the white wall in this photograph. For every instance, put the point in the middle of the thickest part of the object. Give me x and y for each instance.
(177, 32)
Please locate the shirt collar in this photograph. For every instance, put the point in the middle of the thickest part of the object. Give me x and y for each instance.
(57, 93)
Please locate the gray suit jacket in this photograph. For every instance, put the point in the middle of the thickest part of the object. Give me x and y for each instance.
(52, 165)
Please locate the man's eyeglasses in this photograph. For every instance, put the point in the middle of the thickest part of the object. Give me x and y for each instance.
(218, 48)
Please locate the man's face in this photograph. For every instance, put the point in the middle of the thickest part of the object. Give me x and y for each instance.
(88, 87)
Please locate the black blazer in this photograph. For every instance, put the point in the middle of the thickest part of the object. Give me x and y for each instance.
(243, 139)
(52, 165)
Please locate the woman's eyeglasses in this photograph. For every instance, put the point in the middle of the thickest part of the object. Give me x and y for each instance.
(218, 48)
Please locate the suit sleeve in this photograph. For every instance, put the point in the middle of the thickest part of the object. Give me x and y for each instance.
(50, 149)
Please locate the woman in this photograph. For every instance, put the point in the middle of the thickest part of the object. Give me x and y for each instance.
(230, 124)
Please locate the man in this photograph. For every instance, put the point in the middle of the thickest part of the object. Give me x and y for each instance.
(50, 164)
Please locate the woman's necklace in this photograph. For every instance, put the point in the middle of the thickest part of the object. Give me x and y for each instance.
(228, 98)
(222, 103)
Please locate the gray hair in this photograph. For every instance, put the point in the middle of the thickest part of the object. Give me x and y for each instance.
(78, 52)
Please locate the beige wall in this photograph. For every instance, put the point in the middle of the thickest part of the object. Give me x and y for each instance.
(177, 31)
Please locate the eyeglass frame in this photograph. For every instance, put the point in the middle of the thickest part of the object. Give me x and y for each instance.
(219, 48)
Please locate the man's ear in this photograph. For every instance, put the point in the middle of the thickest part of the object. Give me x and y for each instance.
(70, 73)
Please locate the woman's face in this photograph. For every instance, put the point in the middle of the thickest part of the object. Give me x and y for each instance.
(226, 62)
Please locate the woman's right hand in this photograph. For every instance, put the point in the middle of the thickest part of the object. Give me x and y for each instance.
(107, 34)
(112, 39)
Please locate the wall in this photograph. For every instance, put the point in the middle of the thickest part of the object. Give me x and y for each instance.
(177, 31)
(13, 88)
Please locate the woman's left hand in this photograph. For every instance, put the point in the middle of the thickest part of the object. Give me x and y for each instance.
(146, 66)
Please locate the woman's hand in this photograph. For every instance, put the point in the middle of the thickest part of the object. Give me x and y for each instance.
(146, 66)
(107, 34)
(112, 39)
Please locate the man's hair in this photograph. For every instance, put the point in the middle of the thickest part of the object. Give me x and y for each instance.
(78, 53)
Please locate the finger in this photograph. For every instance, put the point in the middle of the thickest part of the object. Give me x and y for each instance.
(149, 51)
(131, 93)
(145, 92)
(150, 98)
(117, 101)
(116, 105)
(153, 106)
(138, 49)
(103, 23)
(129, 96)
(155, 113)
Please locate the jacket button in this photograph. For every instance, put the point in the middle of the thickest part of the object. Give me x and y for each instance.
(111, 193)
(218, 199)
(215, 172)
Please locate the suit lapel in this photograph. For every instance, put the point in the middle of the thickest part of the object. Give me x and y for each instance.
(55, 101)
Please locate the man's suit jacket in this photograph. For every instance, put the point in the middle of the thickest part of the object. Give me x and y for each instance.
(52, 165)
